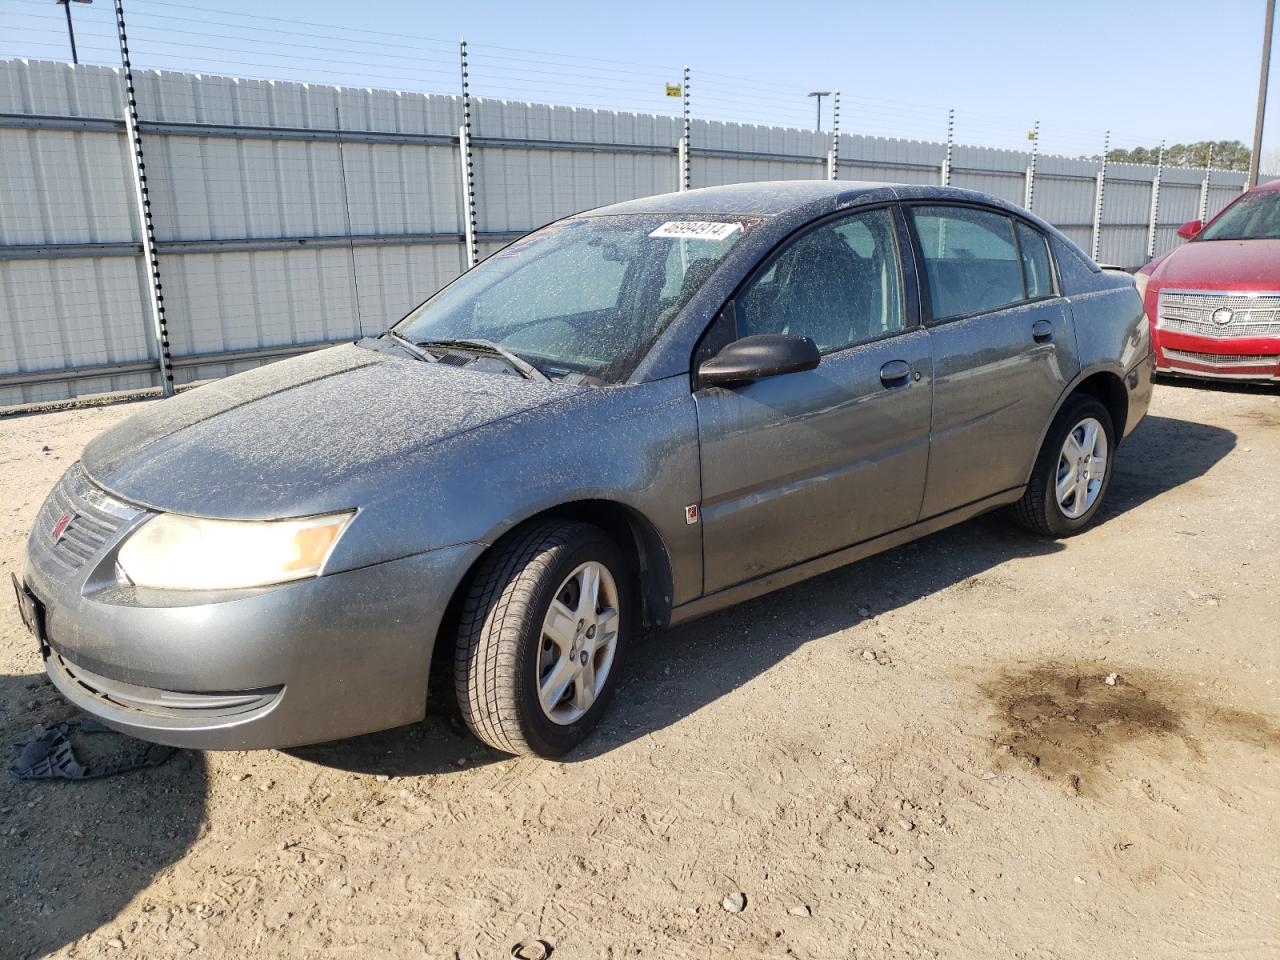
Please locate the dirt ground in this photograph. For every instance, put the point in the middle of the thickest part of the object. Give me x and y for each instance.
(971, 787)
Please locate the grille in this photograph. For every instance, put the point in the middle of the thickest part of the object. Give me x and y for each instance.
(1225, 359)
(1252, 316)
(95, 518)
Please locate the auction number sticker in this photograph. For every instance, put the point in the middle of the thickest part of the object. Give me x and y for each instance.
(696, 230)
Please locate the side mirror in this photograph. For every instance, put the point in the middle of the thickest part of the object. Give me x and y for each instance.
(754, 358)
(1190, 229)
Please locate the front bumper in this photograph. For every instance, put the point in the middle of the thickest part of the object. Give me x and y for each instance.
(321, 659)
(1184, 354)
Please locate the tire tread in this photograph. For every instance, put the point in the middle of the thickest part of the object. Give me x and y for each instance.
(1032, 511)
(492, 617)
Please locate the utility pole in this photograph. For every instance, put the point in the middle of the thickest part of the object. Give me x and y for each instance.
(71, 30)
(820, 94)
(1256, 157)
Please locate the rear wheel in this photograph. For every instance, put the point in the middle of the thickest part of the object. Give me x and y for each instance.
(1072, 472)
(542, 628)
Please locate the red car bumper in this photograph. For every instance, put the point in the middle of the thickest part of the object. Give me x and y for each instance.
(1254, 358)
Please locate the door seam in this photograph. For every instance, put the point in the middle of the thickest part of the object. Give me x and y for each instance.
(933, 406)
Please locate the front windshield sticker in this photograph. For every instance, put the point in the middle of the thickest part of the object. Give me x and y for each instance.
(696, 230)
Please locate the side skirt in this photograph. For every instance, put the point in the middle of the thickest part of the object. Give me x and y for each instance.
(838, 558)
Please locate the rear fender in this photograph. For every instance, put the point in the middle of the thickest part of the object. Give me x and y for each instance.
(1113, 369)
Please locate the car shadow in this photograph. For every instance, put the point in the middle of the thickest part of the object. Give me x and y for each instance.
(1162, 454)
(1254, 388)
(673, 673)
(440, 744)
(74, 853)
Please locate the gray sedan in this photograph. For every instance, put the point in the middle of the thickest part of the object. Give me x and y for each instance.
(629, 418)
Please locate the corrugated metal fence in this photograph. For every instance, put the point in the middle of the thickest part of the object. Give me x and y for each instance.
(288, 215)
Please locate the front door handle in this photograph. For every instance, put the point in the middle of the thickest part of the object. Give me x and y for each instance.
(1042, 331)
(895, 372)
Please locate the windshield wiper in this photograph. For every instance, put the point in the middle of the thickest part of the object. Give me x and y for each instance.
(524, 367)
(409, 346)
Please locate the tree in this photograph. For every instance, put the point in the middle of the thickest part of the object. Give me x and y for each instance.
(1226, 155)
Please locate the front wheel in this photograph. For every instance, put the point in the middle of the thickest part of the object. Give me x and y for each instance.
(544, 623)
(1072, 472)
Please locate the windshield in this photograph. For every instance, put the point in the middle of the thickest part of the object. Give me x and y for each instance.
(1255, 216)
(587, 296)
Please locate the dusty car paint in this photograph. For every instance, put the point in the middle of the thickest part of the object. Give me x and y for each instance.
(788, 477)
(854, 470)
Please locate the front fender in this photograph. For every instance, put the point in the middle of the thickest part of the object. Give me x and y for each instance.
(635, 445)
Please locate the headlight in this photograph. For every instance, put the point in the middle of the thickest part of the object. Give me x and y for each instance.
(1140, 280)
(172, 552)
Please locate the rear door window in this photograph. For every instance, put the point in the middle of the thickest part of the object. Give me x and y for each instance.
(970, 258)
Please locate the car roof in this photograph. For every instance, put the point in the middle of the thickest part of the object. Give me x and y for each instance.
(1269, 185)
(792, 199)
(767, 198)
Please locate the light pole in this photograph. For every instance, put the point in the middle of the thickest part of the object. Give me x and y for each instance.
(1256, 156)
(820, 94)
(71, 33)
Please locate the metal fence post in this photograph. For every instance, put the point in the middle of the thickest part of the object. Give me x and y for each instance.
(1154, 222)
(467, 160)
(1204, 187)
(1099, 190)
(684, 138)
(155, 290)
(833, 155)
(946, 160)
(1031, 167)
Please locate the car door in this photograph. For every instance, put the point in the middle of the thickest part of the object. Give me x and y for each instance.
(799, 465)
(1003, 346)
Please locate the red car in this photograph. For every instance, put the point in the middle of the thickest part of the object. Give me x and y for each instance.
(1214, 303)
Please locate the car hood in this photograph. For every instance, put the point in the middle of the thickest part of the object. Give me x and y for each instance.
(1222, 265)
(326, 431)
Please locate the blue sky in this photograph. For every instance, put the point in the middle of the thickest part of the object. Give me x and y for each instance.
(1145, 70)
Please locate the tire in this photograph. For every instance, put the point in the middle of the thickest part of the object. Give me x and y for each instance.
(1041, 510)
(507, 662)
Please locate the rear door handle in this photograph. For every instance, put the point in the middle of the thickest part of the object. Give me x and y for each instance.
(895, 372)
(1042, 330)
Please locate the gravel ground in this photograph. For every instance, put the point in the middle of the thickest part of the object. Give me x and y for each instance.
(916, 756)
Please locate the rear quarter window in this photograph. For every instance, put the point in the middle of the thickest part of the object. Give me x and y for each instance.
(1075, 274)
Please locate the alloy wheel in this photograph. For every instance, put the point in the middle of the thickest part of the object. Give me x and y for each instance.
(578, 642)
(1082, 467)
